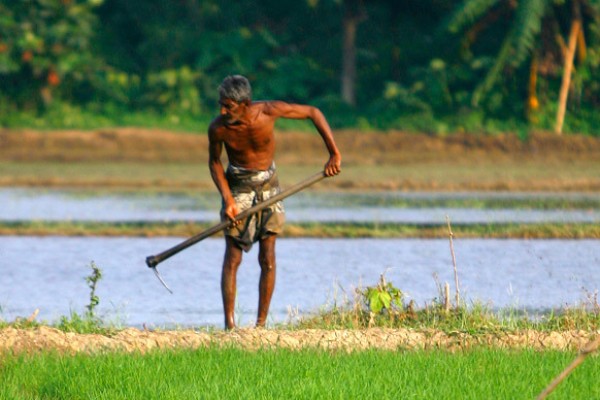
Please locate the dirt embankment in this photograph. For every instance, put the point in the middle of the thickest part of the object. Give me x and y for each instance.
(134, 340)
(132, 144)
(143, 158)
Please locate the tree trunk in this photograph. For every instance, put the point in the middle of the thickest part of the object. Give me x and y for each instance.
(349, 61)
(568, 68)
(354, 14)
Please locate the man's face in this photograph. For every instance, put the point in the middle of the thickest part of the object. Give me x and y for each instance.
(231, 110)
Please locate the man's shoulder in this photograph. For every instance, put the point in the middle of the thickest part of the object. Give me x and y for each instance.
(272, 107)
(216, 124)
(261, 105)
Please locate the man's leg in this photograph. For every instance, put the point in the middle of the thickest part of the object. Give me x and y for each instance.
(266, 259)
(231, 263)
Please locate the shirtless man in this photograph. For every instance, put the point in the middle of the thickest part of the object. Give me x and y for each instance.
(245, 129)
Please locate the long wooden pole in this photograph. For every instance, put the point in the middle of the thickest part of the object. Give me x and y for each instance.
(587, 350)
(153, 261)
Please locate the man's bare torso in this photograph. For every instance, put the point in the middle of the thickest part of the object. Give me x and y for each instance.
(249, 142)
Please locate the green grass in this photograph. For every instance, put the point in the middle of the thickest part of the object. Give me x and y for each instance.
(99, 175)
(476, 320)
(442, 176)
(310, 229)
(66, 116)
(284, 374)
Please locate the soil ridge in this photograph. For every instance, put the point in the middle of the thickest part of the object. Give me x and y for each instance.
(44, 338)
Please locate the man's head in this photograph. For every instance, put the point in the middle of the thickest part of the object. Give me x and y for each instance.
(236, 88)
(235, 96)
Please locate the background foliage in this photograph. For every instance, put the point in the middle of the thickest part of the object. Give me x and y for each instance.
(429, 65)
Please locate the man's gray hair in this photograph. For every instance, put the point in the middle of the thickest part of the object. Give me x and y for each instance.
(236, 88)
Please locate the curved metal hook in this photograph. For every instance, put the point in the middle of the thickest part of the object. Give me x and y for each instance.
(155, 269)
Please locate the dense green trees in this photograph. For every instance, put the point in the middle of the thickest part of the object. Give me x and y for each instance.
(44, 45)
(536, 32)
(434, 65)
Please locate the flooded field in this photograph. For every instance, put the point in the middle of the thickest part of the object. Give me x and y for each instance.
(48, 273)
(401, 207)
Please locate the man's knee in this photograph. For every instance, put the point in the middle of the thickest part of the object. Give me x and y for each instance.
(233, 255)
(267, 266)
(266, 255)
(266, 260)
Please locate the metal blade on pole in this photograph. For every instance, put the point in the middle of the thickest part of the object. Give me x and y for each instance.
(161, 279)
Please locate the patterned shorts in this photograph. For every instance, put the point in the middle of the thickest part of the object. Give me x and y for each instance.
(250, 187)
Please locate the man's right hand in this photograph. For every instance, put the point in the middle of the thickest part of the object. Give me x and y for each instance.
(231, 211)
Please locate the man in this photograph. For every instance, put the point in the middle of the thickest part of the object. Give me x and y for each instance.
(245, 129)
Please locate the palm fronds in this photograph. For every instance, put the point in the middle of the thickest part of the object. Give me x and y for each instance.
(526, 27)
(518, 44)
(468, 12)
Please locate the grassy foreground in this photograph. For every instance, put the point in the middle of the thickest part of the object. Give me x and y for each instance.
(283, 374)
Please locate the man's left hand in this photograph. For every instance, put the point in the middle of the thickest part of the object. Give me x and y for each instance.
(334, 165)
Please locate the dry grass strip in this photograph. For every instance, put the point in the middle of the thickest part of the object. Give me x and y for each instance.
(135, 340)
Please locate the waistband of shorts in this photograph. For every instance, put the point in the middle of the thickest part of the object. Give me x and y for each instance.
(235, 170)
(243, 179)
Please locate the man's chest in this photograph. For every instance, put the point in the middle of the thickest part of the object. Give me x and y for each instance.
(249, 138)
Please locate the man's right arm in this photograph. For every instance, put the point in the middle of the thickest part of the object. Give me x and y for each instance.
(217, 172)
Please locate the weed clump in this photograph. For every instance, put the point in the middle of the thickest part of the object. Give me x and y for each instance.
(89, 322)
(383, 306)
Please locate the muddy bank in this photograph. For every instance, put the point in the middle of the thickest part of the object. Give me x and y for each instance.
(133, 144)
(133, 340)
(399, 161)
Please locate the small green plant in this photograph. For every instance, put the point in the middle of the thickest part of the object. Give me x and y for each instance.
(383, 296)
(89, 322)
(79, 324)
(92, 281)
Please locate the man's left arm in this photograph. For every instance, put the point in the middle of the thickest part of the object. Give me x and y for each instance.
(334, 164)
(298, 111)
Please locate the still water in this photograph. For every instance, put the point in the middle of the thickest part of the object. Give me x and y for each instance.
(48, 273)
(399, 207)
